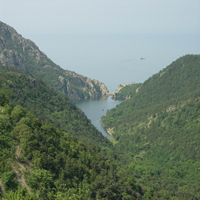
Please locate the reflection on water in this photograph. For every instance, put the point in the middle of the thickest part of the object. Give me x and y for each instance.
(94, 109)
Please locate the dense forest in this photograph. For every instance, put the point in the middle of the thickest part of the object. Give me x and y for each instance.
(48, 105)
(50, 150)
(157, 131)
(38, 161)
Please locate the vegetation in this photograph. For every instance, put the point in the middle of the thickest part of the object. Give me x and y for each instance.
(50, 106)
(51, 164)
(50, 150)
(126, 91)
(157, 131)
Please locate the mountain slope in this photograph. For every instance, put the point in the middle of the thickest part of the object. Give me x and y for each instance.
(175, 81)
(157, 131)
(48, 105)
(25, 55)
(51, 164)
(123, 91)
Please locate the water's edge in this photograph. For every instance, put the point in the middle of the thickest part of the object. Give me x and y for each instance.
(94, 109)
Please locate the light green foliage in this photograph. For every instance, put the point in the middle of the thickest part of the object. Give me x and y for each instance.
(17, 113)
(20, 194)
(72, 194)
(40, 178)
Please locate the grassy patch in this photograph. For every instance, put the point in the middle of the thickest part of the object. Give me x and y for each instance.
(112, 139)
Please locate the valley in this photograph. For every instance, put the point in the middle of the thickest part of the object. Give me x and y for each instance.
(52, 145)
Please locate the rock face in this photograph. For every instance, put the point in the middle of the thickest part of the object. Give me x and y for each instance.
(16, 51)
(123, 90)
(120, 87)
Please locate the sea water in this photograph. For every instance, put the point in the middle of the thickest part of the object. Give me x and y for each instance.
(94, 109)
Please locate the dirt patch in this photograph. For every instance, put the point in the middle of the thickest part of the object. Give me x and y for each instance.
(110, 131)
(151, 119)
(17, 156)
(19, 169)
(17, 152)
(171, 109)
(137, 90)
(1, 186)
(20, 175)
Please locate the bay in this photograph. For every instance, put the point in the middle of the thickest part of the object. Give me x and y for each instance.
(115, 59)
(94, 109)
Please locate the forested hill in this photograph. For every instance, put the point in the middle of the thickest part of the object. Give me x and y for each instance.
(25, 55)
(124, 91)
(157, 131)
(38, 161)
(176, 81)
(48, 105)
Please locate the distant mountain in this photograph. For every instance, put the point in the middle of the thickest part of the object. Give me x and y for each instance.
(157, 131)
(26, 56)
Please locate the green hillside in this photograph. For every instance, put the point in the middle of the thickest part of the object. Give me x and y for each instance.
(124, 92)
(50, 106)
(173, 83)
(156, 131)
(38, 161)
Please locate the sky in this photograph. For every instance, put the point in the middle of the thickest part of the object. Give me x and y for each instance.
(101, 16)
(95, 37)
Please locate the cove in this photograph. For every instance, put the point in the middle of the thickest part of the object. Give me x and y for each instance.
(94, 109)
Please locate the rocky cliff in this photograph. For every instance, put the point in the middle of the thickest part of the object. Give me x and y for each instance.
(123, 90)
(22, 53)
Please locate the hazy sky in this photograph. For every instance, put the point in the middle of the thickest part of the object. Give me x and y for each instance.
(101, 16)
(100, 37)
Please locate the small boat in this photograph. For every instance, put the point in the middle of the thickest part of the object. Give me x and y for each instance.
(102, 109)
(142, 58)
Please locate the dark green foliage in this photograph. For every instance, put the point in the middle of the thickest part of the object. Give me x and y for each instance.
(157, 131)
(3, 99)
(9, 180)
(56, 164)
(48, 105)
